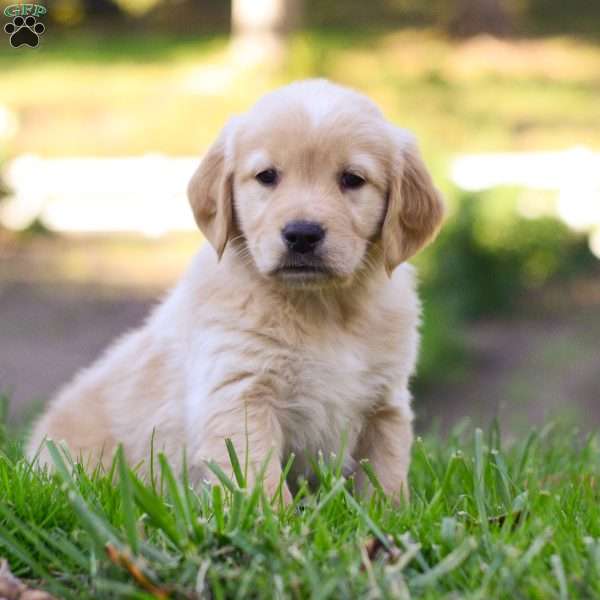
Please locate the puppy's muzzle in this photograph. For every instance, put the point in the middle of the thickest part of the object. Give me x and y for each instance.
(302, 237)
(304, 259)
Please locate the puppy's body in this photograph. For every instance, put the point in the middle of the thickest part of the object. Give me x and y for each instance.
(278, 358)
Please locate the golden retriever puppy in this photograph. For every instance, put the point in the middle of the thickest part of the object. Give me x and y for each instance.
(297, 326)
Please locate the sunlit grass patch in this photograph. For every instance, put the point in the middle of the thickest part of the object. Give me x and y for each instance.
(94, 95)
(486, 519)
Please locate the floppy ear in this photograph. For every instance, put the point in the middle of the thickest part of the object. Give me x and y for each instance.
(210, 192)
(415, 209)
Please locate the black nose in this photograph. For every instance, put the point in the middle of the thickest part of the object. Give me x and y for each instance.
(302, 236)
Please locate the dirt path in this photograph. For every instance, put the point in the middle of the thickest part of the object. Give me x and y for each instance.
(48, 333)
(542, 364)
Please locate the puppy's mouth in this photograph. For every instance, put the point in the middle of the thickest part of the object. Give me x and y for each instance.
(302, 270)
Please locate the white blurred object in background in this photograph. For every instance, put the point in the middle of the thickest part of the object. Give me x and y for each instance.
(8, 123)
(574, 174)
(145, 194)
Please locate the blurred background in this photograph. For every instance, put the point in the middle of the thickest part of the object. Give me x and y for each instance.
(102, 124)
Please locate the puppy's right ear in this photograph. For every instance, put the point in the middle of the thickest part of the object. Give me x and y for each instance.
(210, 191)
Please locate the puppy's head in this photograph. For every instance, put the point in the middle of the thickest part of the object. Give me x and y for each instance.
(315, 186)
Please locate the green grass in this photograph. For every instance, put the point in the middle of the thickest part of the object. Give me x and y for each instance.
(487, 519)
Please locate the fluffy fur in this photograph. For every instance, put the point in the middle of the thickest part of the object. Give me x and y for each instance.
(279, 361)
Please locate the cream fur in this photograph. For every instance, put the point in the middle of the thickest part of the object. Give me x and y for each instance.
(276, 365)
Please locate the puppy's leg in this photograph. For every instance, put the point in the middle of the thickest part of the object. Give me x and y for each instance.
(76, 420)
(256, 434)
(386, 443)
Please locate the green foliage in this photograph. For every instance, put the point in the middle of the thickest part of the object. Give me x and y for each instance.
(487, 255)
(557, 16)
(442, 355)
(483, 262)
(486, 520)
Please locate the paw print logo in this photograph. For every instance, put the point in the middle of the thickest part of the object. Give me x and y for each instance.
(24, 31)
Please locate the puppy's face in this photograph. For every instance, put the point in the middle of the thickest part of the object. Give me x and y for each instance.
(309, 198)
(309, 182)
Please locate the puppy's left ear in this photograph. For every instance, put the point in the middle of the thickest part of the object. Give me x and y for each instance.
(210, 191)
(415, 208)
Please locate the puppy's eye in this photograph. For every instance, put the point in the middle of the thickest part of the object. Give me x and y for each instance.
(267, 177)
(351, 181)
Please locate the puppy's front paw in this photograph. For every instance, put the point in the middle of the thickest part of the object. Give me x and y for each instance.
(394, 485)
(286, 495)
(275, 489)
(400, 495)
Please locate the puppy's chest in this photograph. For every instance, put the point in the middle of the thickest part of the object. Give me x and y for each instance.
(327, 388)
(334, 374)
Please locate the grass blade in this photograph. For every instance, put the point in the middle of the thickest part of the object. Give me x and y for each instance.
(479, 486)
(559, 572)
(219, 513)
(447, 565)
(183, 513)
(368, 521)
(221, 476)
(235, 463)
(153, 505)
(128, 504)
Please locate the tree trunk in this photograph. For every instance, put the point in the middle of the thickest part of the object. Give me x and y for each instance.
(260, 28)
(474, 17)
